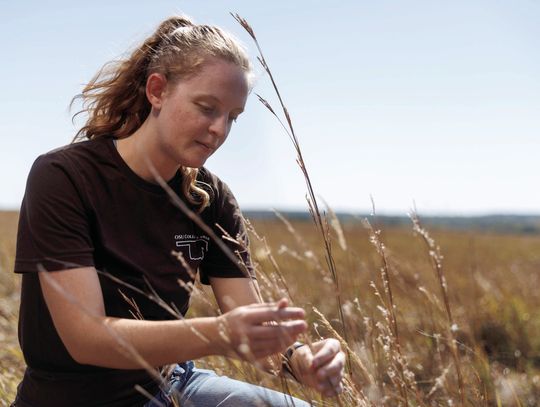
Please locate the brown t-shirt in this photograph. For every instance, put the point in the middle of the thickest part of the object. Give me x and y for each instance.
(84, 206)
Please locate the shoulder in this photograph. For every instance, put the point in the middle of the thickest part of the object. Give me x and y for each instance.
(222, 200)
(75, 151)
(207, 176)
(60, 171)
(217, 188)
(67, 153)
(53, 166)
(68, 159)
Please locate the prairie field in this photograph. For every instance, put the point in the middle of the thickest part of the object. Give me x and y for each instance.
(428, 317)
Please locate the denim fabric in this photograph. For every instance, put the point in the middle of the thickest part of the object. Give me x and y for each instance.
(193, 387)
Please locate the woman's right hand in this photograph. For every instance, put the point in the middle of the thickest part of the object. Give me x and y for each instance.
(255, 331)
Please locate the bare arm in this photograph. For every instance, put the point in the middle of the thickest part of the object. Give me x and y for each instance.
(75, 302)
(234, 292)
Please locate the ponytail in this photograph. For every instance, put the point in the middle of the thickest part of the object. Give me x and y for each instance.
(115, 98)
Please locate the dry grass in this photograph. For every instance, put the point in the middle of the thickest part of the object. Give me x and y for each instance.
(437, 318)
(11, 361)
(492, 293)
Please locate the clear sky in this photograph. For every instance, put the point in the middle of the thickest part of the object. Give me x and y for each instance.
(431, 102)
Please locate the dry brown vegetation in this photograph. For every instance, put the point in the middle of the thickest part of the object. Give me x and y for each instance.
(11, 360)
(492, 294)
(440, 318)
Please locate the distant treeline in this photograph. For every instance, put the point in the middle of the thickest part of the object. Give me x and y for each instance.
(527, 224)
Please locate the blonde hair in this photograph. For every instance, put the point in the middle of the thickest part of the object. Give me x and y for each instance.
(115, 99)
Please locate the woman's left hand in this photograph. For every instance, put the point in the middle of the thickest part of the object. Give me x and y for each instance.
(321, 367)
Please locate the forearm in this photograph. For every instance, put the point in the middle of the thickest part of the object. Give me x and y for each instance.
(122, 343)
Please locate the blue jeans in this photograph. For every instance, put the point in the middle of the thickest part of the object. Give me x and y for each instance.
(193, 387)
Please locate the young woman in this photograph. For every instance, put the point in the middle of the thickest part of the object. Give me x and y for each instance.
(97, 234)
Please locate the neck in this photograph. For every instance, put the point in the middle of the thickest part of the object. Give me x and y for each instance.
(141, 153)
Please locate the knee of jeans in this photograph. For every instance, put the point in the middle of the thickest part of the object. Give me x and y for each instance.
(180, 376)
(183, 368)
(205, 372)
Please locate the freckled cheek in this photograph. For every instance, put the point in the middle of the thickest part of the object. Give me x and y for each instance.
(188, 125)
(193, 119)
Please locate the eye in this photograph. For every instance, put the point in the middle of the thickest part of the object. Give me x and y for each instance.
(205, 108)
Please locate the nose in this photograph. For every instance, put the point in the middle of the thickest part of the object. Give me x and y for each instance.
(220, 127)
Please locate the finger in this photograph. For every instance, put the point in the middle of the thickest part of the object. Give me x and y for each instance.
(324, 387)
(282, 303)
(326, 353)
(286, 332)
(332, 380)
(333, 369)
(329, 389)
(337, 379)
(284, 335)
(333, 392)
(304, 359)
(260, 315)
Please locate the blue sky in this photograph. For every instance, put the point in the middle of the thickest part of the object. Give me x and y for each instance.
(431, 102)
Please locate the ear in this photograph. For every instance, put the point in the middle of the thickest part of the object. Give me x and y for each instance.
(156, 85)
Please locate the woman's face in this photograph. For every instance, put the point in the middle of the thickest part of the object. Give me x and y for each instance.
(196, 113)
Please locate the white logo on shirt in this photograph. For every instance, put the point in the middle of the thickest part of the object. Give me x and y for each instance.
(194, 246)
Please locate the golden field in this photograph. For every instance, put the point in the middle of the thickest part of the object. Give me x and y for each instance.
(422, 328)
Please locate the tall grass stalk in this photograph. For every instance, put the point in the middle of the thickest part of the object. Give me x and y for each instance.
(390, 309)
(319, 220)
(436, 262)
(269, 255)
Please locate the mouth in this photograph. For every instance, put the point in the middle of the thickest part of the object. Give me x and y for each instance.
(205, 146)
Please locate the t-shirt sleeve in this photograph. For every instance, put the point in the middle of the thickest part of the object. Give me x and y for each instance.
(54, 227)
(225, 212)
